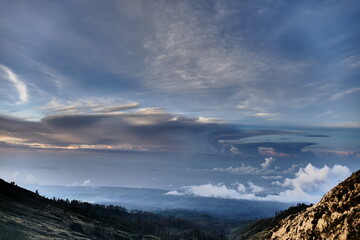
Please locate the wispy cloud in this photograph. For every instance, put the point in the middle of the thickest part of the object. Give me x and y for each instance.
(93, 105)
(251, 170)
(344, 93)
(19, 85)
(209, 54)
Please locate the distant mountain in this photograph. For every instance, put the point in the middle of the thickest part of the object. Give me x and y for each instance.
(26, 215)
(335, 217)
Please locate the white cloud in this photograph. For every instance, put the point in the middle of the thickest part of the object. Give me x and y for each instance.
(344, 93)
(241, 188)
(255, 188)
(18, 84)
(352, 62)
(188, 51)
(208, 120)
(263, 115)
(116, 107)
(85, 183)
(30, 179)
(308, 185)
(218, 191)
(311, 183)
(272, 177)
(209, 190)
(267, 163)
(245, 170)
(87, 105)
(291, 169)
(175, 193)
(234, 150)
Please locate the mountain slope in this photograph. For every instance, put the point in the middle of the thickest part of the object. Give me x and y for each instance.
(26, 215)
(260, 229)
(336, 216)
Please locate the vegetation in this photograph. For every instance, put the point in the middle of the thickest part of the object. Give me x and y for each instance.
(260, 229)
(27, 215)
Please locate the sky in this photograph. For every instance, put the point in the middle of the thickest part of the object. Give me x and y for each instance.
(232, 99)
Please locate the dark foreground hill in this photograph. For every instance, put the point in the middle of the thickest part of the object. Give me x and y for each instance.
(335, 217)
(26, 215)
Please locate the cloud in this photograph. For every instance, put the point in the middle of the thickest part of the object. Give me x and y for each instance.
(308, 185)
(255, 188)
(175, 193)
(344, 93)
(269, 116)
(352, 62)
(86, 106)
(117, 107)
(267, 163)
(85, 183)
(274, 149)
(241, 188)
(144, 129)
(272, 177)
(191, 49)
(30, 179)
(18, 84)
(249, 170)
(217, 191)
(243, 170)
(178, 48)
(210, 190)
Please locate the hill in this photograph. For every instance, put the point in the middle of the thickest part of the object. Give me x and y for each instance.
(26, 215)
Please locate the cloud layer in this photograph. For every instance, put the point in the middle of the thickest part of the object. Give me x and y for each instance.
(141, 129)
(210, 56)
(308, 185)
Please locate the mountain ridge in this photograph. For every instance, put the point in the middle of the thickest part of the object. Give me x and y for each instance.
(26, 215)
(336, 216)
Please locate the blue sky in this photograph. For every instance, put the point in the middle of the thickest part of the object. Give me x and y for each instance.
(144, 85)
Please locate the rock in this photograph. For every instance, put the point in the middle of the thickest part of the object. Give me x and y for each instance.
(335, 217)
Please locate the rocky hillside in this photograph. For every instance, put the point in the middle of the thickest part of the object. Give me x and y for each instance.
(336, 216)
(260, 229)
